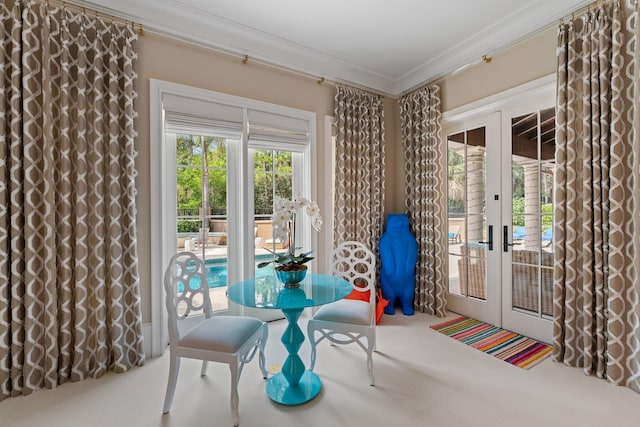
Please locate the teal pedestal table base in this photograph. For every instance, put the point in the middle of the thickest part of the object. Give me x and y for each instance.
(294, 385)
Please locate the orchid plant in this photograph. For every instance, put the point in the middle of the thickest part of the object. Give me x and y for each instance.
(284, 229)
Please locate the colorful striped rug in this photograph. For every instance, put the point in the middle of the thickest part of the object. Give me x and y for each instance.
(505, 345)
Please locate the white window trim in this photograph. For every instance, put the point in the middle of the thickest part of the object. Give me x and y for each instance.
(328, 190)
(160, 250)
(509, 98)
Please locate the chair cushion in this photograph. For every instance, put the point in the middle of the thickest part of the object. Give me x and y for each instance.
(221, 333)
(345, 311)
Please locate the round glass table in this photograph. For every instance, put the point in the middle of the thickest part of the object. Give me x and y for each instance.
(294, 385)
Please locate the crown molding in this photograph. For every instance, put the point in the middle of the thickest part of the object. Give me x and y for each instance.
(175, 19)
(211, 31)
(540, 15)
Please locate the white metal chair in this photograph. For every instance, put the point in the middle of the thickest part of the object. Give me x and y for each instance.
(349, 320)
(234, 340)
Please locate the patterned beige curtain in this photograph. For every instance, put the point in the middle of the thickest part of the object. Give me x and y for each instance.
(421, 124)
(69, 298)
(597, 200)
(359, 192)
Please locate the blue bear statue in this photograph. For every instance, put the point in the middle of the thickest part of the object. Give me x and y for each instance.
(398, 256)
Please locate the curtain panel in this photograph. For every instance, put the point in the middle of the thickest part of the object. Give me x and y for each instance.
(359, 176)
(69, 297)
(597, 196)
(421, 126)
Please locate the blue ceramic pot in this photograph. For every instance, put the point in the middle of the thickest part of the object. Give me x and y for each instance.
(291, 278)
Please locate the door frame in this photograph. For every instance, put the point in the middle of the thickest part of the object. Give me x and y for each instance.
(523, 96)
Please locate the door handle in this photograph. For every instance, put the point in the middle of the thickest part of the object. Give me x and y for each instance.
(505, 239)
(490, 241)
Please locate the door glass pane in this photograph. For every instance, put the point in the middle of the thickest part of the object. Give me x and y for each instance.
(532, 173)
(467, 224)
(272, 178)
(201, 195)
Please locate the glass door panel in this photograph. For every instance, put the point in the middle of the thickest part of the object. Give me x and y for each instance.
(201, 203)
(467, 222)
(470, 220)
(272, 179)
(528, 303)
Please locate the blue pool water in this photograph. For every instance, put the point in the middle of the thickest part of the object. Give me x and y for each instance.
(217, 273)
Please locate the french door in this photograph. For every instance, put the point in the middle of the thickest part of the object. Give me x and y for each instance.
(527, 251)
(201, 203)
(208, 174)
(501, 169)
(204, 175)
(276, 174)
(473, 151)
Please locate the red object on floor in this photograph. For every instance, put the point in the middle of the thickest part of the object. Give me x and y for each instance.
(381, 303)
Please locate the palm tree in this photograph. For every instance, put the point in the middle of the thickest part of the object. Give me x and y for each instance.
(456, 180)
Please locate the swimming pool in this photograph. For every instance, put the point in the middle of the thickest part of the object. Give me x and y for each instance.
(217, 272)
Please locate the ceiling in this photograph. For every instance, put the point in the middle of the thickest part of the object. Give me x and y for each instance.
(386, 46)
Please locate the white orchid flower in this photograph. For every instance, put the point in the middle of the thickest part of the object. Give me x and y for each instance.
(279, 203)
(282, 216)
(316, 222)
(284, 222)
(280, 229)
(301, 202)
(313, 209)
(291, 206)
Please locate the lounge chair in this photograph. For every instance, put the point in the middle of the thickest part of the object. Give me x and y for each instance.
(454, 234)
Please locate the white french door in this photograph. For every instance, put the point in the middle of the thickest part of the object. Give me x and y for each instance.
(501, 169)
(204, 148)
(527, 251)
(206, 172)
(473, 151)
(277, 173)
(199, 186)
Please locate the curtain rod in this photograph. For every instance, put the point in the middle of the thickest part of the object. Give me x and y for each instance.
(247, 58)
(584, 10)
(86, 10)
(320, 80)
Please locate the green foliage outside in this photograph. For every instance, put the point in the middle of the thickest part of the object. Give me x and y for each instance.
(193, 155)
(456, 179)
(547, 220)
(270, 166)
(545, 209)
(202, 173)
(189, 226)
(517, 206)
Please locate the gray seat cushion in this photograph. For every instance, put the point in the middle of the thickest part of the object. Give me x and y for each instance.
(345, 311)
(221, 333)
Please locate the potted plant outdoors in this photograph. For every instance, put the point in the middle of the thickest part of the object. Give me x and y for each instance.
(291, 268)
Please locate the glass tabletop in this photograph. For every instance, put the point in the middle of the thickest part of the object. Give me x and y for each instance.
(269, 292)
